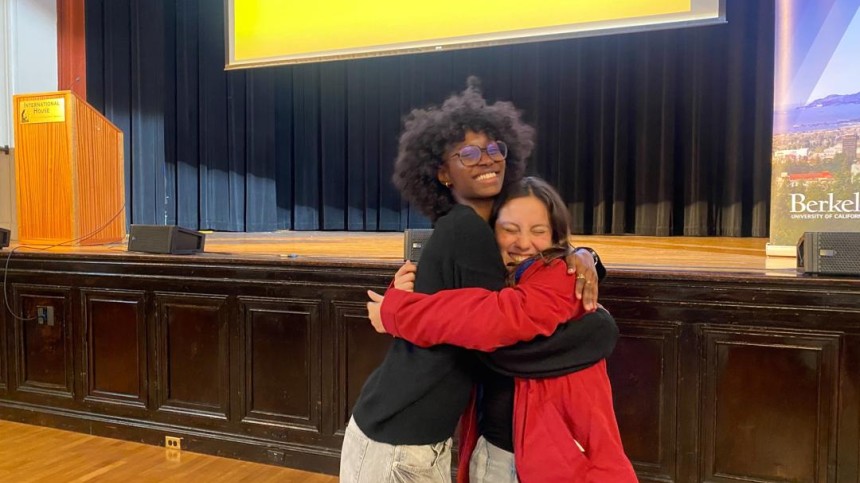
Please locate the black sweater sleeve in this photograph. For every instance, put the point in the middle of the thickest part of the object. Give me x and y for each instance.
(574, 346)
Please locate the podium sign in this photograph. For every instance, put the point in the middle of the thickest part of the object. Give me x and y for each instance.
(45, 110)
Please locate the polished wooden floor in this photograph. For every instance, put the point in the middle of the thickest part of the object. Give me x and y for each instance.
(39, 454)
(719, 254)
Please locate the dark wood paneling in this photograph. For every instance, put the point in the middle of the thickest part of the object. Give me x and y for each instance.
(115, 355)
(193, 354)
(281, 362)
(45, 361)
(717, 377)
(770, 405)
(848, 444)
(359, 351)
(644, 368)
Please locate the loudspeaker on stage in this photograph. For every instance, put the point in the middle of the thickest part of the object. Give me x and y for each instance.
(829, 253)
(169, 239)
(413, 242)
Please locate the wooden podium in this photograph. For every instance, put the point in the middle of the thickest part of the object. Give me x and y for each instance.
(69, 172)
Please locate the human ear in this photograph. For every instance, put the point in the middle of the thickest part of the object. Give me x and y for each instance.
(443, 176)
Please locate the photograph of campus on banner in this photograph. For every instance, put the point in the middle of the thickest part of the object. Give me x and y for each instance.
(816, 164)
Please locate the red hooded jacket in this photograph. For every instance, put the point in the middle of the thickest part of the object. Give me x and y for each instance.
(553, 417)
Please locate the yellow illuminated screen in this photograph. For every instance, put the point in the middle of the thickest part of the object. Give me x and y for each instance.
(278, 31)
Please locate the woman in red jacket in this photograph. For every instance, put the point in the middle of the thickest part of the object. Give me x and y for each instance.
(564, 426)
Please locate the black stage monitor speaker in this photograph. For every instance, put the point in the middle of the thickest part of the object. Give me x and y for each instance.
(165, 239)
(4, 237)
(413, 242)
(829, 253)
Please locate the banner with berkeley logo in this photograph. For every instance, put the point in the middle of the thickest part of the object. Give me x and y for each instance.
(816, 121)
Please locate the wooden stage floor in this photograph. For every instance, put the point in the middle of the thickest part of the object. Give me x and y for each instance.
(699, 254)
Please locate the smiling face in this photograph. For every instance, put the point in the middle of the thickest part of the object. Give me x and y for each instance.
(478, 185)
(523, 229)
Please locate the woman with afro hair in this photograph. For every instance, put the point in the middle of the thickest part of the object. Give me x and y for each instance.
(452, 163)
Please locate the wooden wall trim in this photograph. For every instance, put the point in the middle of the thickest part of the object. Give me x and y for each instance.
(71, 47)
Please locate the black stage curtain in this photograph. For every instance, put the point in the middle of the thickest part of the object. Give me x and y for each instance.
(657, 133)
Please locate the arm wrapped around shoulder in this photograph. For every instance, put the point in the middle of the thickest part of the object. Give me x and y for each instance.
(481, 319)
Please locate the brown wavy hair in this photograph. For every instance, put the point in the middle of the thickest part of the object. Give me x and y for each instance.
(430, 133)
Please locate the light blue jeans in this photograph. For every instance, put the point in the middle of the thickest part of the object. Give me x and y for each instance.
(491, 464)
(363, 460)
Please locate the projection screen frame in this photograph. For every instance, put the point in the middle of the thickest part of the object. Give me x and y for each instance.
(457, 43)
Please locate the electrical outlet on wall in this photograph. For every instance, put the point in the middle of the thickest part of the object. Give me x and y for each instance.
(172, 442)
(45, 315)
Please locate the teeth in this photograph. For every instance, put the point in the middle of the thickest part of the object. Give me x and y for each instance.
(486, 176)
(519, 258)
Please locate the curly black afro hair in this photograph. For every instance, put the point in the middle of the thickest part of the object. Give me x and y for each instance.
(430, 133)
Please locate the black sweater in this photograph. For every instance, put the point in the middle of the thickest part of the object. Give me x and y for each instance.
(416, 395)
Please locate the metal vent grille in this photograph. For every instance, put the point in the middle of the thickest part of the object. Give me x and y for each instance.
(838, 252)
